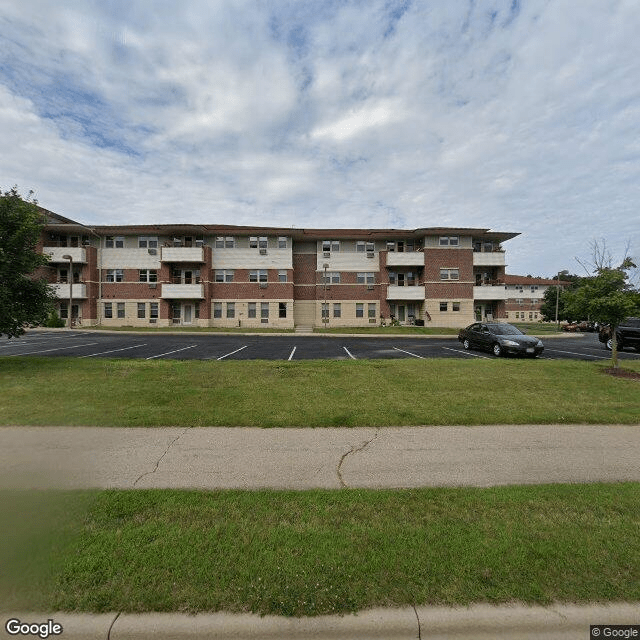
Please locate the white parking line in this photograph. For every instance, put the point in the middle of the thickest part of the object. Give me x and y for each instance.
(170, 352)
(27, 341)
(28, 353)
(466, 353)
(230, 354)
(415, 355)
(573, 353)
(349, 353)
(291, 354)
(135, 346)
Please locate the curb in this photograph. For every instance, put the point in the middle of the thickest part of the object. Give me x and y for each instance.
(477, 622)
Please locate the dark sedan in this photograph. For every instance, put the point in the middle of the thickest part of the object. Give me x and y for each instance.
(500, 338)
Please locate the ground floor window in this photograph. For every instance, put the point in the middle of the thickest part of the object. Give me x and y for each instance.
(337, 310)
(231, 309)
(153, 310)
(444, 306)
(359, 310)
(372, 310)
(108, 310)
(217, 309)
(142, 310)
(282, 309)
(120, 308)
(264, 312)
(251, 311)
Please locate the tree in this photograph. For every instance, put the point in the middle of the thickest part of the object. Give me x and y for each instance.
(24, 299)
(548, 308)
(606, 297)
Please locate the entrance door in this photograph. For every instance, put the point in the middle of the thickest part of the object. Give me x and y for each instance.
(187, 313)
(401, 313)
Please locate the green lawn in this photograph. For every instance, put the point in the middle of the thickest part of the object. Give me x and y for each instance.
(127, 393)
(183, 329)
(318, 552)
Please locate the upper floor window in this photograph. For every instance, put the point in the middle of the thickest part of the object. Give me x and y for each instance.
(362, 246)
(225, 242)
(114, 242)
(449, 241)
(258, 275)
(331, 245)
(115, 275)
(366, 278)
(224, 275)
(282, 275)
(449, 274)
(331, 277)
(148, 275)
(282, 242)
(148, 242)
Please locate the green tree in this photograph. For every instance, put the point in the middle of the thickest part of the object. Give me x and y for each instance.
(24, 299)
(606, 297)
(568, 282)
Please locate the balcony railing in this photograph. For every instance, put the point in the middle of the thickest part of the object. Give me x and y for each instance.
(395, 292)
(61, 290)
(55, 254)
(182, 291)
(488, 259)
(488, 292)
(182, 254)
(405, 259)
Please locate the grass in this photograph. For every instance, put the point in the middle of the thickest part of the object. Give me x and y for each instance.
(128, 393)
(318, 552)
(182, 329)
(392, 330)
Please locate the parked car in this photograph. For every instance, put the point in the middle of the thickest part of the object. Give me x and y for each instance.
(627, 334)
(500, 338)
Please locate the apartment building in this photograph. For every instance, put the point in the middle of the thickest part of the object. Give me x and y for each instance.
(238, 276)
(524, 297)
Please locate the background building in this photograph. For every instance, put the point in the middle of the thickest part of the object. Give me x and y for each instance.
(235, 276)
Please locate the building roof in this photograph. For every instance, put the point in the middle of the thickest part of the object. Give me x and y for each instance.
(528, 280)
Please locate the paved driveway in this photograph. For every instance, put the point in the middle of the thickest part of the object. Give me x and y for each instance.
(212, 346)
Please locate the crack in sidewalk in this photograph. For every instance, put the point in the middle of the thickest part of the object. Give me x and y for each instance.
(148, 473)
(112, 623)
(343, 484)
(418, 619)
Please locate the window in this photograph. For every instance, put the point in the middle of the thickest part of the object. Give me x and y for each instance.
(282, 275)
(231, 309)
(534, 288)
(258, 275)
(282, 242)
(148, 242)
(224, 275)
(109, 242)
(391, 246)
(534, 300)
(392, 277)
(372, 310)
(153, 310)
(253, 242)
(325, 311)
(282, 309)
(217, 309)
(337, 310)
(251, 313)
(332, 277)
(359, 310)
(263, 242)
(264, 310)
(455, 306)
(219, 242)
(360, 246)
(120, 307)
(116, 242)
(449, 241)
(367, 278)
(108, 310)
(148, 275)
(142, 310)
(444, 306)
(229, 242)
(331, 245)
(115, 275)
(449, 274)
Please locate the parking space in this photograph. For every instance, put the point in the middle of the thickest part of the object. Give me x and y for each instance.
(219, 347)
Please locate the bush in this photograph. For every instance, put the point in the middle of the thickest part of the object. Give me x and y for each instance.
(54, 321)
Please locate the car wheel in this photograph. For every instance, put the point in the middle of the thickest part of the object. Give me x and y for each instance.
(609, 344)
(497, 350)
(466, 344)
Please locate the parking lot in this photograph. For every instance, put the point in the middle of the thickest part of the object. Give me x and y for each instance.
(212, 346)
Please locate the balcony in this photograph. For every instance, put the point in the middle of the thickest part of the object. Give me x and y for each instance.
(395, 292)
(61, 291)
(405, 259)
(55, 254)
(182, 254)
(488, 292)
(488, 259)
(182, 291)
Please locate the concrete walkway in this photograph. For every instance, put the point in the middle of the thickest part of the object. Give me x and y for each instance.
(479, 622)
(296, 458)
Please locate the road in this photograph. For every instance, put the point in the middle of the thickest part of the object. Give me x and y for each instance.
(214, 346)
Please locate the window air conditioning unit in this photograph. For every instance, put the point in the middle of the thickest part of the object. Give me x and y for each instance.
(326, 254)
(369, 254)
(264, 320)
(372, 320)
(263, 252)
(152, 321)
(369, 286)
(152, 252)
(153, 285)
(177, 242)
(199, 243)
(263, 285)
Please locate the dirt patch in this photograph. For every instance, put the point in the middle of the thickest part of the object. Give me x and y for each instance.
(623, 373)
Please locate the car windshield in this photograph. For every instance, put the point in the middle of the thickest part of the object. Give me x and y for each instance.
(504, 330)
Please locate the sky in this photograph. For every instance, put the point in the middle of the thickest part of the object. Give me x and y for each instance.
(511, 115)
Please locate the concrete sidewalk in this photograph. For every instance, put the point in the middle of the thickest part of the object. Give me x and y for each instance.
(479, 622)
(305, 458)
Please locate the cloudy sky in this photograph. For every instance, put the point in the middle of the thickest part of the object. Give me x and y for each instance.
(513, 115)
